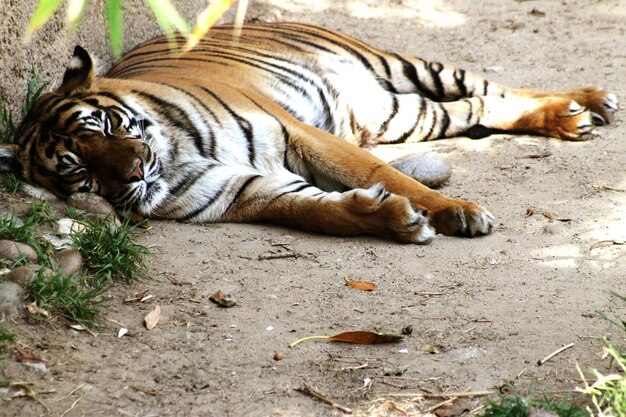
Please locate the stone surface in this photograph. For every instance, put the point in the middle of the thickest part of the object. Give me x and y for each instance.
(69, 260)
(21, 275)
(91, 203)
(429, 168)
(11, 298)
(14, 250)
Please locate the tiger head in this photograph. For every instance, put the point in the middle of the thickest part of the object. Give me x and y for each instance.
(82, 138)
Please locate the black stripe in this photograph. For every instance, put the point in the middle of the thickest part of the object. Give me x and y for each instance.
(392, 114)
(189, 179)
(444, 123)
(410, 72)
(244, 124)
(176, 116)
(240, 192)
(435, 69)
(459, 79)
(206, 204)
(420, 115)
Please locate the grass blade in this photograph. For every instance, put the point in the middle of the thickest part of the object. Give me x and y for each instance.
(115, 23)
(43, 12)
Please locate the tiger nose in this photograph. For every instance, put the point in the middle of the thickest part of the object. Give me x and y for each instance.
(137, 172)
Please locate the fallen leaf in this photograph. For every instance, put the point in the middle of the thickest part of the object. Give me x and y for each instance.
(32, 361)
(360, 285)
(537, 13)
(551, 216)
(358, 337)
(139, 220)
(428, 348)
(603, 243)
(78, 327)
(122, 331)
(35, 310)
(457, 407)
(391, 406)
(530, 211)
(223, 300)
(365, 338)
(152, 318)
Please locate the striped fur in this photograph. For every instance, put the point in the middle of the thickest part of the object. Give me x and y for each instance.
(264, 128)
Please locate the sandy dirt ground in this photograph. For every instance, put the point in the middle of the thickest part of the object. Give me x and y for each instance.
(490, 307)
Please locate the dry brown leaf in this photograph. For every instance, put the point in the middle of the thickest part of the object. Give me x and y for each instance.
(32, 361)
(223, 300)
(603, 243)
(35, 310)
(365, 338)
(152, 318)
(428, 348)
(360, 285)
(551, 216)
(530, 211)
(457, 407)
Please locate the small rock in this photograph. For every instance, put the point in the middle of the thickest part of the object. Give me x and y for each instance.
(69, 260)
(56, 241)
(11, 218)
(68, 226)
(10, 298)
(14, 250)
(552, 228)
(429, 168)
(278, 356)
(21, 275)
(91, 203)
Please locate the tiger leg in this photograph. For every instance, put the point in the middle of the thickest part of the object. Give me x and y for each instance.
(287, 199)
(332, 160)
(439, 82)
(416, 119)
(409, 111)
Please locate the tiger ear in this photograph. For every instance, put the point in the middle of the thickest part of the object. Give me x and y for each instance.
(79, 73)
(9, 158)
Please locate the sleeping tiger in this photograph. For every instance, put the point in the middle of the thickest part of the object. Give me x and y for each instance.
(270, 127)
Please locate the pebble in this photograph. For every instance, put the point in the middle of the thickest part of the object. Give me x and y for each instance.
(21, 275)
(67, 226)
(11, 218)
(91, 203)
(552, 228)
(69, 260)
(14, 250)
(429, 168)
(11, 298)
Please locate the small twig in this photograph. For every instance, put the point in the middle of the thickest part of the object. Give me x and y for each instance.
(553, 354)
(71, 392)
(439, 394)
(144, 390)
(441, 404)
(307, 390)
(539, 155)
(429, 293)
(72, 407)
(266, 256)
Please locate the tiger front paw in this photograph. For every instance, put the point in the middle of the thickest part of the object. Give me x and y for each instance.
(390, 215)
(462, 218)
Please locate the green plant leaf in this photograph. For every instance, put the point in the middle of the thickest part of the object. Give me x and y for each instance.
(75, 12)
(43, 12)
(167, 16)
(115, 24)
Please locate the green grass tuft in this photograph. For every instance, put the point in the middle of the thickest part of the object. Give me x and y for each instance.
(7, 125)
(34, 89)
(69, 296)
(11, 183)
(518, 406)
(110, 253)
(40, 212)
